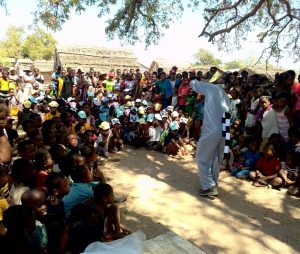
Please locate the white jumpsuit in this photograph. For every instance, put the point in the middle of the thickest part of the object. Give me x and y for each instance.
(210, 147)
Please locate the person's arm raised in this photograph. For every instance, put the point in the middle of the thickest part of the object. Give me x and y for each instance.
(202, 86)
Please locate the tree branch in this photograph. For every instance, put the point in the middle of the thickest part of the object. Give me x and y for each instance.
(269, 8)
(243, 19)
(216, 12)
(274, 43)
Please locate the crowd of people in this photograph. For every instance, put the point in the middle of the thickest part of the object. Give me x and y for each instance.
(54, 196)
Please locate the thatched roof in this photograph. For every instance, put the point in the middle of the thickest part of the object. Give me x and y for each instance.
(101, 59)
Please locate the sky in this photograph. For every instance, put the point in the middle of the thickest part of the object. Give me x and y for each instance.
(178, 46)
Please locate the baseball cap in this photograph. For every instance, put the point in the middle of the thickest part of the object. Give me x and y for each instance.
(104, 126)
(145, 103)
(104, 99)
(158, 117)
(173, 126)
(127, 97)
(150, 118)
(53, 104)
(183, 120)
(157, 106)
(175, 114)
(142, 121)
(115, 121)
(27, 104)
(138, 100)
(82, 114)
(90, 94)
(170, 108)
(164, 113)
(141, 110)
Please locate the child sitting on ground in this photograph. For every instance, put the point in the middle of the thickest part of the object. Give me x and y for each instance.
(173, 141)
(103, 139)
(103, 201)
(250, 156)
(24, 175)
(80, 130)
(72, 144)
(116, 143)
(26, 149)
(289, 169)
(58, 186)
(267, 168)
(183, 130)
(90, 155)
(36, 200)
(43, 165)
(154, 131)
(81, 189)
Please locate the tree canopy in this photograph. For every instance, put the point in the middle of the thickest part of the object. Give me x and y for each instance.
(227, 22)
(205, 57)
(37, 45)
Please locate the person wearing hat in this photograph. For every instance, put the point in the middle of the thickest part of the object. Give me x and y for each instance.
(210, 147)
(104, 109)
(183, 130)
(141, 136)
(173, 142)
(137, 103)
(154, 132)
(53, 111)
(24, 113)
(103, 140)
(116, 143)
(82, 119)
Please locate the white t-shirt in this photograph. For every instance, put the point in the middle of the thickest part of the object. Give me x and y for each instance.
(16, 193)
(154, 133)
(269, 123)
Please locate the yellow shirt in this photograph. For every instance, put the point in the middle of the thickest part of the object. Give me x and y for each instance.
(109, 84)
(49, 116)
(4, 85)
(60, 85)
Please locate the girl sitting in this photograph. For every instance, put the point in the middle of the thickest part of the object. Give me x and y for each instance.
(267, 168)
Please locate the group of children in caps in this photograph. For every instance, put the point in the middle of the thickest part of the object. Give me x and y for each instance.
(54, 197)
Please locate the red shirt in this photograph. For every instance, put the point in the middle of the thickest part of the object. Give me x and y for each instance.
(268, 166)
(184, 91)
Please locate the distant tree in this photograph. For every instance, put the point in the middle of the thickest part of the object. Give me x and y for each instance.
(205, 57)
(235, 64)
(39, 45)
(11, 46)
(227, 22)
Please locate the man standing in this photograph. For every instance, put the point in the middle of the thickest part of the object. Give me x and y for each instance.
(210, 147)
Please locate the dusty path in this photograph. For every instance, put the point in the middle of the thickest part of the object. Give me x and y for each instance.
(163, 197)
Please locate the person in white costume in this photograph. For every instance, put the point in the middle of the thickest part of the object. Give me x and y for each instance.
(210, 147)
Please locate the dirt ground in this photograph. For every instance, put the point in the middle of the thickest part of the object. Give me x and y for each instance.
(163, 197)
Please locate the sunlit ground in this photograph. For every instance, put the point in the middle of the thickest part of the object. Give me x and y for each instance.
(163, 197)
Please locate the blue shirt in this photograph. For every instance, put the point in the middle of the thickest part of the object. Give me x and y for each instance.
(165, 87)
(251, 158)
(79, 192)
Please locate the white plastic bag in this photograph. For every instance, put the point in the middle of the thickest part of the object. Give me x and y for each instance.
(131, 244)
